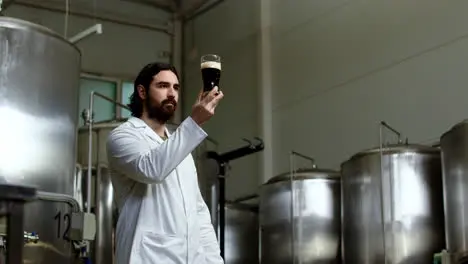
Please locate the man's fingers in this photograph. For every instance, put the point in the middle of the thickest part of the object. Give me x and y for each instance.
(200, 96)
(213, 103)
(211, 95)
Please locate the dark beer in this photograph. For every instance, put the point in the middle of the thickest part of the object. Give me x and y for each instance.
(211, 73)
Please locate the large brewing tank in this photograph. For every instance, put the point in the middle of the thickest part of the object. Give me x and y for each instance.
(316, 229)
(39, 83)
(241, 234)
(454, 145)
(102, 192)
(411, 200)
(241, 218)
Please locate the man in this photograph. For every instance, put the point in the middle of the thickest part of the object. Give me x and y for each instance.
(163, 218)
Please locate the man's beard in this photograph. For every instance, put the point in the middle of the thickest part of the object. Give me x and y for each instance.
(162, 112)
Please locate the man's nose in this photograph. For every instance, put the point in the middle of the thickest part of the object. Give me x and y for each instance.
(171, 92)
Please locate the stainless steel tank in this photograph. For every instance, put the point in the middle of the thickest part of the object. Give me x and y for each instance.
(454, 145)
(207, 170)
(241, 219)
(39, 83)
(102, 195)
(410, 204)
(314, 235)
(241, 234)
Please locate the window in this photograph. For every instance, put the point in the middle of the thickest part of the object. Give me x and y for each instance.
(103, 110)
(127, 91)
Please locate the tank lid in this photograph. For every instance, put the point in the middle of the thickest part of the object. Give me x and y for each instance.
(15, 23)
(456, 126)
(304, 174)
(397, 148)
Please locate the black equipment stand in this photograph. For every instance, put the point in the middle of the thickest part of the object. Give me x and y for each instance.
(223, 163)
(12, 200)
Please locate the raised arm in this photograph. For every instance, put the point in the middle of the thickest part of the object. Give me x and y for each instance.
(133, 156)
(152, 164)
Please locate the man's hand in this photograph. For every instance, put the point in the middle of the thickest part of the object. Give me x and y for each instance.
(205, 106)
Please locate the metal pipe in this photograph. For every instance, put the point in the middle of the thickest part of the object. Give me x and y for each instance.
(90, 151)
(312, 160)
(292, 172)
(90, 122)
(111, 100)
(96, 29)
(176, 58)
(77, 184)
(162, 29)
(58, 197)
(293, 226)
(222, 209)
(183, 75)
(382, 188)
(383, 123)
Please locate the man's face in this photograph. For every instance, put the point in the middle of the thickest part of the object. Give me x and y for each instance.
(162, 97)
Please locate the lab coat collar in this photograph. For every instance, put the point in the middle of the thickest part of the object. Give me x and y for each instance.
(138, 123)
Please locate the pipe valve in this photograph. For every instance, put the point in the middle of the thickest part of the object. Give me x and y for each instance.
(30, 237)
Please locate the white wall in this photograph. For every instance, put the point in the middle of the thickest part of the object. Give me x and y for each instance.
(337, 69)
(342, 66)
(121, 51)
(230, 30)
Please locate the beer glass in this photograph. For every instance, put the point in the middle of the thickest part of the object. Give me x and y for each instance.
(211, 71)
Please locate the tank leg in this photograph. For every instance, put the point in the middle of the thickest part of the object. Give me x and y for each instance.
(15, 232)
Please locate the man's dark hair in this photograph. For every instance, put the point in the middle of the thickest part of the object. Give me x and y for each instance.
(144, 78)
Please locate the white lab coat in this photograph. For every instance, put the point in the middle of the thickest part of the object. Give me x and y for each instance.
(163, 218)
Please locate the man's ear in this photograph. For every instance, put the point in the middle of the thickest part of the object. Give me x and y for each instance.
(141, 91)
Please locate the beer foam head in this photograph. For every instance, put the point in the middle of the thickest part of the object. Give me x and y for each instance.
(211, 64)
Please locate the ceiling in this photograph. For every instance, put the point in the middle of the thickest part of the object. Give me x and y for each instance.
(184, 9)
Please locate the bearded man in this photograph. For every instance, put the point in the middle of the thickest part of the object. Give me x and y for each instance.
(163, 218)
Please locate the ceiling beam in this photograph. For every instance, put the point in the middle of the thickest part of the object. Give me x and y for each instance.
(170, 7)
(184, 11)
(196, 13)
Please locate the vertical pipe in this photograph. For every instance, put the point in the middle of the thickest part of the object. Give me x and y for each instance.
(104, 216)
(383, 189)
(293, 225)
(176, 58)
(214, 194)
(183, 98)
(119, 98)
(292, 171)
(382, 200)
(265, 109)
(221, 208)
(90, 152)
